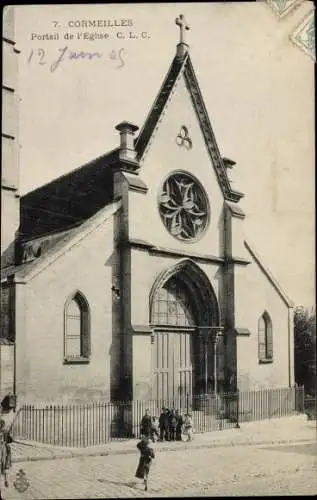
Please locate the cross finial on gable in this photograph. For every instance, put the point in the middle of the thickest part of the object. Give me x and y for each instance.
(181, 22)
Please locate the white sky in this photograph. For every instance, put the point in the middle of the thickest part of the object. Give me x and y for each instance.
(258, 89)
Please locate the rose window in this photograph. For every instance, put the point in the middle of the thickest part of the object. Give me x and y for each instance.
(183, 206)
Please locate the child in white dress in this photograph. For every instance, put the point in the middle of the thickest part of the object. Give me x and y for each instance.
(188, 427)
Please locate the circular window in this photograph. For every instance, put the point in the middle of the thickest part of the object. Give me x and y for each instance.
(183, 206)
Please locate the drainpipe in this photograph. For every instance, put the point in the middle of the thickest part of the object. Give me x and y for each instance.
(14, 371)
(289, 347)
(206, 367)
(215, 365)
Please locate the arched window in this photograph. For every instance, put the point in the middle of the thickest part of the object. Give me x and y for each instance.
(171, 305)
(265, 338)
(77, 329)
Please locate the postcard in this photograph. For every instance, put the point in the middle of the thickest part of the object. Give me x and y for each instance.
(157, 250)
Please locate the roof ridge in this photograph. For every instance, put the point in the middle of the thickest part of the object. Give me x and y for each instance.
(160, 101)
(208, 133)
(269, 275)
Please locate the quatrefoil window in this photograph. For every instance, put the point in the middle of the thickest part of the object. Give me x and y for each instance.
(183, 206)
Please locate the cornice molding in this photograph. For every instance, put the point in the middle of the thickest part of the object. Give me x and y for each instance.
(135, 182)
(172, 252)
(235, 210)
(141, 330)
(145, 245)
(243, 332)
(237, 260)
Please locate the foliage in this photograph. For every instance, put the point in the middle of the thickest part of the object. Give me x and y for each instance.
(305, 348)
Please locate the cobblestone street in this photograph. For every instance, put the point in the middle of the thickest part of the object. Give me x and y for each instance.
(227, 471)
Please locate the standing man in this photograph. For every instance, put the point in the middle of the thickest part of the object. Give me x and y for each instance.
(164, 425)
(173, 425)
(146, 424)
(179, 426)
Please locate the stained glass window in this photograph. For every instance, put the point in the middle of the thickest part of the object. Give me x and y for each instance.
(183, 206)
(171, 305)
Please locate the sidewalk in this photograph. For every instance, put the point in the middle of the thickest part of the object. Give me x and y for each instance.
(294, 429)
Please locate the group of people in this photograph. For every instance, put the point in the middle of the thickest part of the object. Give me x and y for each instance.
(171, 425)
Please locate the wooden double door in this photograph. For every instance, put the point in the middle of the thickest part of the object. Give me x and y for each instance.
(173, 365)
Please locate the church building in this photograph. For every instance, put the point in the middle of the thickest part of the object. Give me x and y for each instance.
(130, 277)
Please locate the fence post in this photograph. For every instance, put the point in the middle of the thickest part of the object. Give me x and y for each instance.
(302, 398)
(295, 390)
(300, 392)
(237, 406)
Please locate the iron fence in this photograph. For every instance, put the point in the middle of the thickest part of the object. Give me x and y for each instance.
(96, 423)
(310, 407)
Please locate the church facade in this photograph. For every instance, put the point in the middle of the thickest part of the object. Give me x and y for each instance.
(130, 277)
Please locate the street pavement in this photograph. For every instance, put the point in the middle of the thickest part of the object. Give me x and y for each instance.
(275, 457)
(221, 471)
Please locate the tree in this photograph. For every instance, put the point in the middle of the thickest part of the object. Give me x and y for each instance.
(305, 348)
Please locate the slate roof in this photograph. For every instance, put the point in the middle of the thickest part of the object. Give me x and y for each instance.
(54, 246)
(69, 200)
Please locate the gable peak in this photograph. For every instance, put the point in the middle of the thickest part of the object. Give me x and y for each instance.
(182, 67)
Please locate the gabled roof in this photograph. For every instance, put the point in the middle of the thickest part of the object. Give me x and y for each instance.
(182, 66)
(269, 275)
(69, 200)
(64, 242)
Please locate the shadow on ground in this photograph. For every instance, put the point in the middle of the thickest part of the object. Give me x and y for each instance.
(130, 484)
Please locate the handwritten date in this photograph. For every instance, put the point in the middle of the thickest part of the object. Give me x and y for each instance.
(65, 54)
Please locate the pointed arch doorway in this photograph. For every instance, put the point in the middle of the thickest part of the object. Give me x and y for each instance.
(182, 306)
